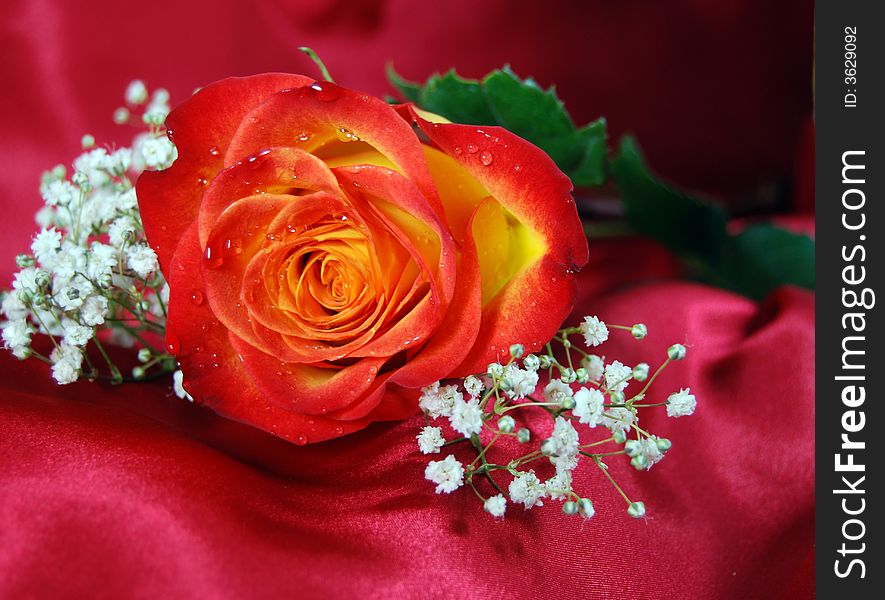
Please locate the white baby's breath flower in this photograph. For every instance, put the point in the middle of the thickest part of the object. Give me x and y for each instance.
(127, 200)
(94, 310)
(59, 193)
(142, 259)
(681, 403)
(556, 391)
(495, 505)
(76, 334)
(66, 363)
(617, 375)
(527, 489)
(466, 417)
(101, 261)
(136, 92)
(619, 419)
(69, 261)
(595, 332)
(559, 485)
(121, 231)
(45, 247)
(13, 308)
(595, 366)
(447, 474)
(178, 386)
(17, 337)
(430, 440)
(157, 152)
(519, 383)
(25, 281)
(438, 401)
(473, 385)
(589, 406)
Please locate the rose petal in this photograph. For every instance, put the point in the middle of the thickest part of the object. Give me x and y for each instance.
(201, 128)
(312, 119)
(214, 374)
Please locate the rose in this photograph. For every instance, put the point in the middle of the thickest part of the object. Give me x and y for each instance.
(328, 253)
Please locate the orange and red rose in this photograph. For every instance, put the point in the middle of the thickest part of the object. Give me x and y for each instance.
(328, 253)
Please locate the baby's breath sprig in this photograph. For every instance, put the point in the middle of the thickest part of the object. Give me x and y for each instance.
(90, 279)
(582, 390)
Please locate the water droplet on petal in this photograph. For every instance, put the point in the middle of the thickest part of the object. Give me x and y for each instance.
(517, 168)
(197, 297)
(201, 182)
(472, 148)
(304, 136)
(485, 158)
(301, 439)
(213, 258)
(173, 345)
(214, 151)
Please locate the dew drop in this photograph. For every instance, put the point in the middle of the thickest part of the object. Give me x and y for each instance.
(197, 297)
(472, 148)
(485, 158)
(214, 151)
(345, 135)
(213, 258)
(173, 345)
(303, 136)
(339, 430)
(458, 150)
(301, 439)
(202, 182)
(517, 168)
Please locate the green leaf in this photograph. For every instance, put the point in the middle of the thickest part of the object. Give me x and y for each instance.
(682, 223)
(763, 257)
(520, 106)
(753, 262)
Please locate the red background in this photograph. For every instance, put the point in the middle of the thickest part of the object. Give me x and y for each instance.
(108, 492)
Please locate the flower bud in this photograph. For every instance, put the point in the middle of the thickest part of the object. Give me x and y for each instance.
(81, 180)
(570, 508)
(676, 352)
(616, 397)
(121, 115)
(640, 372)
(582, 375)
(138, 372)
(495, 370)
(663, 444)
(568, 403)
(639, 462)
(23, 261)
(639, 331)
(524, 435)
(87, 141)
(636, 510)
(548, 447)
(585, 507)
(144, 355)
(619, 436)
(531, 362)
(632, 447)
(42, 279)
(517, 350)
(568, 375)
(546, 361)
(506, 424)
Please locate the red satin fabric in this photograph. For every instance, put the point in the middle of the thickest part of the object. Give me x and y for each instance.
(130, 492)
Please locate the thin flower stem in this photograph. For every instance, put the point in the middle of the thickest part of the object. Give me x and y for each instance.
(115, 372)
(612, 480)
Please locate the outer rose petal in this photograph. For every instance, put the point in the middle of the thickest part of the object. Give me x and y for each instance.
(312, 117)
(527, 183)
(201, 128)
